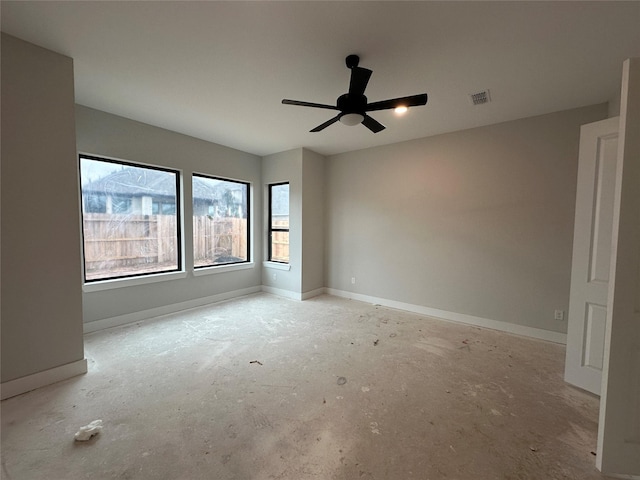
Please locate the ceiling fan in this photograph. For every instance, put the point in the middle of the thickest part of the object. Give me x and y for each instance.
(353, 106)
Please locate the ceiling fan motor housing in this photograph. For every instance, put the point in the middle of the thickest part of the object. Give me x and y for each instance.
(352, 103)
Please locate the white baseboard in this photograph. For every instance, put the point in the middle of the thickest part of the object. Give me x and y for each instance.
(539, 333)
(523, 330)
(41, 379)
(282, 293)
(623, 476)
(313, 293)
(293, 295)
(165, 310)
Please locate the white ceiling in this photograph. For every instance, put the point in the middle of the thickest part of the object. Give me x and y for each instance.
(219, 70)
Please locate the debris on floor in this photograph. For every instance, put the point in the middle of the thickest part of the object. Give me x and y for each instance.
(533, 449)
(375, 342)
(256, 361)
(342, 380)
(88, 431)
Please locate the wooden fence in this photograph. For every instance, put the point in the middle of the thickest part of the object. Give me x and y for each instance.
(219, 240)
(280, 241)
(119, 245)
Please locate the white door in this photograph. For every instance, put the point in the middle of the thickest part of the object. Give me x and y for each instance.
(591, 254)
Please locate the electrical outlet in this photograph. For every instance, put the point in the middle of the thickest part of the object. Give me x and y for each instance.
(353, 280)
(274, 276)
(559, 315)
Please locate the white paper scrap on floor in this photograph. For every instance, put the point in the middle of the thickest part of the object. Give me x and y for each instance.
(88, 431)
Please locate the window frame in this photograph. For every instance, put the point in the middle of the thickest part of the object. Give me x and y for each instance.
(270, 223)
(199, 268)
(142, 276)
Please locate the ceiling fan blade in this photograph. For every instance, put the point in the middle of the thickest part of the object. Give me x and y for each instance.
(309, 104)
(359, 80)
(327, 123)
(372, 124)
(411, 101)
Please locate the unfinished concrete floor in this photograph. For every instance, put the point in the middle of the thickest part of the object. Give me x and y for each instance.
(254, 388)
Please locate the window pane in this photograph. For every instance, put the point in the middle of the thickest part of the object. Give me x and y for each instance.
(280, 206)
(280, 247)
(279, 223)
(124, 235)
(220, 221)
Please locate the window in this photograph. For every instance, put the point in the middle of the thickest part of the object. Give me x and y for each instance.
(279, 223)
(124, 234)
(220, 221)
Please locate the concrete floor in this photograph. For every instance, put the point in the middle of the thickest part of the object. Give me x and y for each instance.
(184, 397)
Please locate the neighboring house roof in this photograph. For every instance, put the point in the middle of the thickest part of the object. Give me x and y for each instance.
(207, 191)
(134, 182)
(138, 182)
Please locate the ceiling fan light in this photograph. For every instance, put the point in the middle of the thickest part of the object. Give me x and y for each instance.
(351, 119)
(401, 109)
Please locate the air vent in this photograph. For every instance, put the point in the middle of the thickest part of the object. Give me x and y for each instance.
(479, 98)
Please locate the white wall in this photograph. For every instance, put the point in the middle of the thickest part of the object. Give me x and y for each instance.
(103, 134)
(619, 421)
(41, 269)
(477, 222)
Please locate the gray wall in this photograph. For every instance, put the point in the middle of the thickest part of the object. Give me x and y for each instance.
(476, 222)
(312, 221)
(304, 170)
(278, 168)
(108, 135)
(41, 269)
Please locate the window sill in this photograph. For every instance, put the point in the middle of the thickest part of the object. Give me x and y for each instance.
(277, 265)
(130, 282)
(222, 268)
